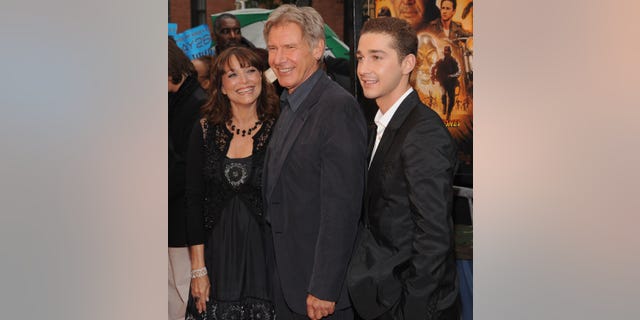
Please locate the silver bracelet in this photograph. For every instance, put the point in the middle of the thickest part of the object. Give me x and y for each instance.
(198, 273)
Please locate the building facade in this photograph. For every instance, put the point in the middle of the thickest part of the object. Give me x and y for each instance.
(191, 13)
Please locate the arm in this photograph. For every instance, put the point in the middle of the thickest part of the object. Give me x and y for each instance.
(195, 222)
(456, 72)
(200, 285)
(194, 187)
(342, 166)
(428, 157)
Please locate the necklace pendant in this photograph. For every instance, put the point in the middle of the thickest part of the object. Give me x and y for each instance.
(244, 132)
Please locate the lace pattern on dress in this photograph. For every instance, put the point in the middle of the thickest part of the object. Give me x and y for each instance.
(246, 309)
(218, 190)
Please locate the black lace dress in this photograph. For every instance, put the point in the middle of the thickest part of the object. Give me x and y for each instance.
(225, 213)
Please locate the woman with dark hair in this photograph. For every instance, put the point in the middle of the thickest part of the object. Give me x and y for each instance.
(224, 192)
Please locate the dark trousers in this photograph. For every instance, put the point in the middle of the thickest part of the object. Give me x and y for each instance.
(450, 313)
(448, 99)
(283, 312)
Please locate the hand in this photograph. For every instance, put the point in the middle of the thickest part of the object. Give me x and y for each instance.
(200, 292)
(318, 309)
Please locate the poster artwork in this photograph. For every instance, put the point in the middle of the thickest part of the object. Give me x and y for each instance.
(443, 77)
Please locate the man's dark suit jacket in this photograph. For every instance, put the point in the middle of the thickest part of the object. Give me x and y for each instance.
(404, 260)
(313, 196)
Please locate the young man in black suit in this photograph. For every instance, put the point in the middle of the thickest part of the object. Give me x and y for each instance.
(314, 173)
(403, 266)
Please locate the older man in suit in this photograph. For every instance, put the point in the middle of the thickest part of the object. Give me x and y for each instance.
(403, 266)
(314, 173)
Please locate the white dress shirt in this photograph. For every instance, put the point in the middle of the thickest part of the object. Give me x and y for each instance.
(382, 121)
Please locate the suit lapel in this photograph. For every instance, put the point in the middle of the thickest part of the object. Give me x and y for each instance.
(387, 140)
(372, 130)
(390, 132)
(300, 117)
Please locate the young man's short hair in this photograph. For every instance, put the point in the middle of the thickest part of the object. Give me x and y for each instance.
(405, 40)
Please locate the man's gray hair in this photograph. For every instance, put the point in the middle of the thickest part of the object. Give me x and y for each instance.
(307, 18)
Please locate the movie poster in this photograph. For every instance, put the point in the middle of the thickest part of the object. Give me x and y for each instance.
(444, 75)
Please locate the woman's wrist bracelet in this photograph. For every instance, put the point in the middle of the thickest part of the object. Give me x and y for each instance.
(198, 273)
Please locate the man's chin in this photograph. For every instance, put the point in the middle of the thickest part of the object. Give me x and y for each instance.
(229, 45)
(369, 94)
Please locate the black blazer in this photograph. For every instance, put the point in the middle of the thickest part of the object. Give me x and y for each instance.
(184, 111)
(313, 196)
(405, 258)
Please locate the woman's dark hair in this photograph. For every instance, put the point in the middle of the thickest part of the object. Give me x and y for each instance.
(179, 63)
(217, 110)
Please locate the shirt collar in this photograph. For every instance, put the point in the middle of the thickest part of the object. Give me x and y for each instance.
(382, 120)
(302, 91)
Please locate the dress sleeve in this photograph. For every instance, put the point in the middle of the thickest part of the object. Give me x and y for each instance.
(195, 187)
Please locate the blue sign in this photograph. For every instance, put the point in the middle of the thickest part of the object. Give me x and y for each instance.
(173, 29)
(195, 42)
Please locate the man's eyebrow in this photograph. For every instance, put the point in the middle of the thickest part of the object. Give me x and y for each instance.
(370, 51)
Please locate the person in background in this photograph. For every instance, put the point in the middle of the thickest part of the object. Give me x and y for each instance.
(452, 33)
(228, 33)
(314, 173)
(203, 69)
(445, 27)
(185, 99)
(418, 13)
(404, 266)
(224, 192)
(446, 71)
